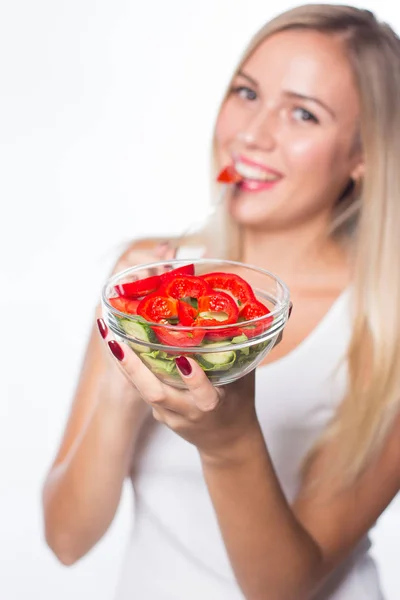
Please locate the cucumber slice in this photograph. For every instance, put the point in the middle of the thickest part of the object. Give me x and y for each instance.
(158, 365)
(239, 339)
(140, 331)
(165, 355)
(216, 361)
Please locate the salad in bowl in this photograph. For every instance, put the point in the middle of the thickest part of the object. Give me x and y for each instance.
(225, 315)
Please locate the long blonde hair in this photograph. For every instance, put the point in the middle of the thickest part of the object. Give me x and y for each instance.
(373, 359)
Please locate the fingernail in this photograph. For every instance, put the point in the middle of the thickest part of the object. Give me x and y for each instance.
(102, 328)
(116, 349)
(183, 365)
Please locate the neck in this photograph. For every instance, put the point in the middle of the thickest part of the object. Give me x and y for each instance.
(303, 256)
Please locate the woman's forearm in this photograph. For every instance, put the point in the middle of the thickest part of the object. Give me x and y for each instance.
(82, 493)
(272, 555)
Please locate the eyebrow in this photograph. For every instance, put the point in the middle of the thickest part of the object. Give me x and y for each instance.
(250, 79)
(311, 99)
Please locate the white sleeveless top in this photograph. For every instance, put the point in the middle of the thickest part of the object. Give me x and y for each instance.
(176, 550)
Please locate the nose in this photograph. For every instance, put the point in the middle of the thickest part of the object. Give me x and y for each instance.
(259, 132)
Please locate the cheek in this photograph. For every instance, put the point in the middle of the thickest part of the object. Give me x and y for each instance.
(319, 157)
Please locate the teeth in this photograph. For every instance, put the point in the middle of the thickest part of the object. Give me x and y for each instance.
(250, 172)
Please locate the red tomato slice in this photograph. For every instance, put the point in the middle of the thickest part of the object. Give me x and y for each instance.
(217, 302)
(124, 305)
(155, 308)
(139, 288)
(186, 286)
(185, 270)
(179, 338)
(229, 175)
(234, 284)
(222, 334)
(187, 314)
(253, 310)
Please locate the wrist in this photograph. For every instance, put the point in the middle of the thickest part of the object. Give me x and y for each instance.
(237, 452)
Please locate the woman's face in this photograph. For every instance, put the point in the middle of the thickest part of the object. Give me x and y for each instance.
(289, 126)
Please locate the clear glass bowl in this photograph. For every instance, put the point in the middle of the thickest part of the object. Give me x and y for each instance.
(223, 361)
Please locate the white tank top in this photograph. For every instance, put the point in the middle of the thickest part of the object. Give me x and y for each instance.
(176, 550)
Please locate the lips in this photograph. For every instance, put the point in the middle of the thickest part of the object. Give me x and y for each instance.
(256, 172)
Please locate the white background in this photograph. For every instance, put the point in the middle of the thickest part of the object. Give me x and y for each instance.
(106, 115)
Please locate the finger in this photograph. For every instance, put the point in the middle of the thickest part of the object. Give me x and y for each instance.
(167, 399)
(204, 394)
(122, 378)
(149, 387)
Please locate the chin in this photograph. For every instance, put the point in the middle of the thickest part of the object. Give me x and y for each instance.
(243, 211)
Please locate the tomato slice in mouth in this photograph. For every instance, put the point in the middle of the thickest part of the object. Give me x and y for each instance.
(229, 175)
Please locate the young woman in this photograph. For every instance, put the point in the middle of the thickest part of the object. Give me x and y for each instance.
(267, 488)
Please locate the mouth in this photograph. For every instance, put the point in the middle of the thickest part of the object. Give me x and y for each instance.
(252, 172)
(255, 177)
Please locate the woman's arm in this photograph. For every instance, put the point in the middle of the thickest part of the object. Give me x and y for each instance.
(82, 490)
(280, 552)
(272, 554)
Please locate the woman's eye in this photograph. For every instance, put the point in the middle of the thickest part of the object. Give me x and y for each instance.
(301, 114)
(244, 92)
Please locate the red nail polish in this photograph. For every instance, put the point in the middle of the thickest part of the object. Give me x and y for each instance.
(102, 328)
(183, 365)
(116, 349)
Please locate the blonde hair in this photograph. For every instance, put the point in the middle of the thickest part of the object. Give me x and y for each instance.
(373, 359)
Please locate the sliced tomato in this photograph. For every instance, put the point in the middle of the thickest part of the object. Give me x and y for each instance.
(124, 305)
(211, 310)
(186, 313)
(184, 270)
(217, 309)
(175, 337)
(253, 310)
(156, 308)
(139, 288)
(229, 175)
(220, 335)
(231, 283)
(186, 286)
